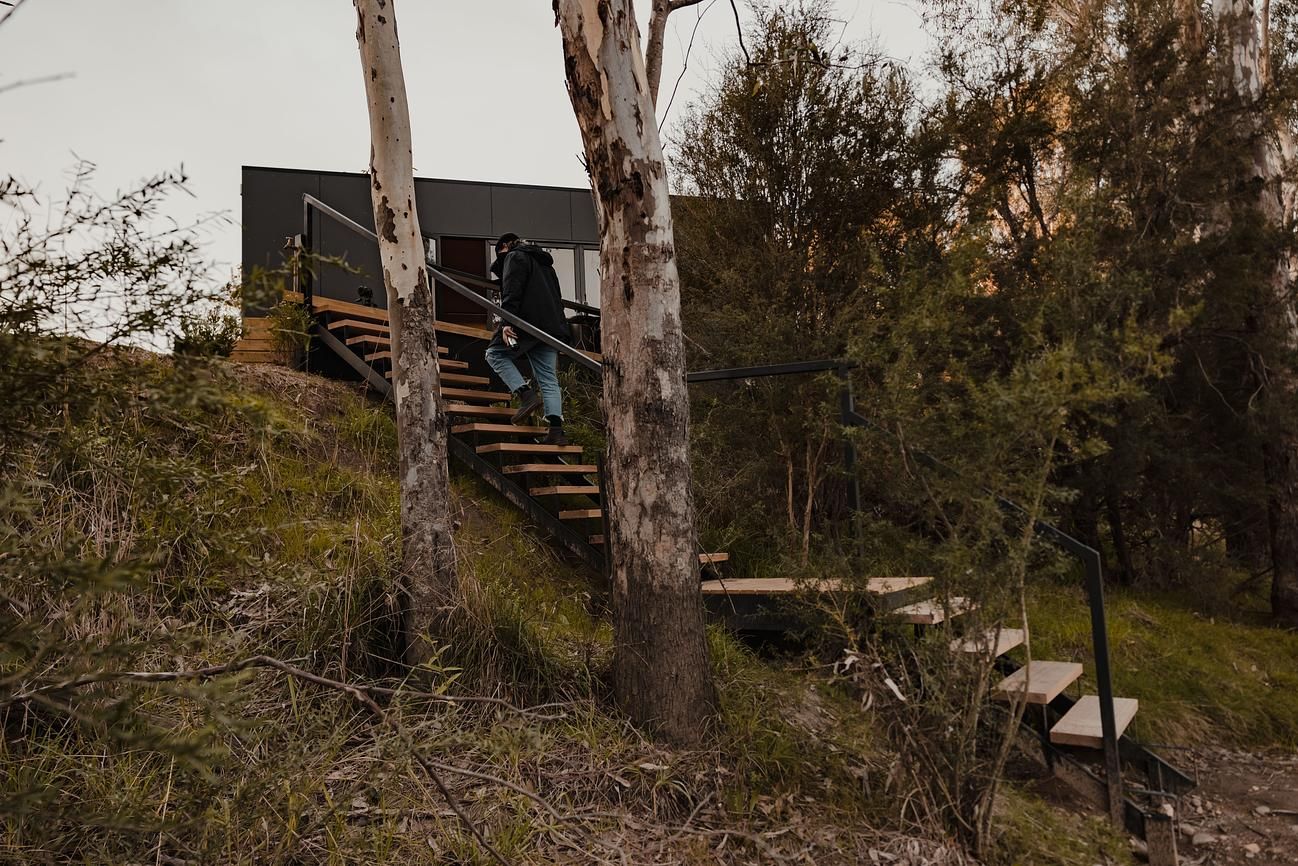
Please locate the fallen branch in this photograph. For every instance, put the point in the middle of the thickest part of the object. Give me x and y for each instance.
(356, 690)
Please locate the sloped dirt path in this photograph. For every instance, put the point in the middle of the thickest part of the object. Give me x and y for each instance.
(1245, 810)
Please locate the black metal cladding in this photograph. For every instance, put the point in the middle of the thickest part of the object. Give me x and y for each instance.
(272, 212)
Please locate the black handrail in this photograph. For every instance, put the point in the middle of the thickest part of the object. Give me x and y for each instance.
(310, 202)
(473, 279)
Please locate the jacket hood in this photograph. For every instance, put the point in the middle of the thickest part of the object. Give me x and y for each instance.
(535, 252)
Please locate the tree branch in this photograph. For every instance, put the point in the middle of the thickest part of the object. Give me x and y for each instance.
(653, 55)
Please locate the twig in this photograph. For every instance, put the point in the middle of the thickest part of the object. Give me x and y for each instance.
(739, 27)
(685, 63)
(13, 7)
(270, 662)
(28, 82)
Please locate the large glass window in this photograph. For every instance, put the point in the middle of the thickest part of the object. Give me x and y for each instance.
(590, 262)
(565, 267)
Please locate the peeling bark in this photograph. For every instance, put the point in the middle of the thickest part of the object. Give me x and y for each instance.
(428, 575)
(1242, 26)
(661, 671)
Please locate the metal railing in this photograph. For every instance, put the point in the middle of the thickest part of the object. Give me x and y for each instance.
(310, 203)
(1089, 557)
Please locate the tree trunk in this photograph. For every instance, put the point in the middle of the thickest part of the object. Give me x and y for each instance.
(661, 671)
(428, 576)
(1113, 506)
(1243, 38)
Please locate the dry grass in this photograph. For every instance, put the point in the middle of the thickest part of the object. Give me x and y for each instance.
(261, 519)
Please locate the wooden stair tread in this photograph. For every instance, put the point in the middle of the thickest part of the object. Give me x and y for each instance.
(465, 379)
(527, 448)
(1081, 726)
(474, 394)
(565, 468)
(787, 585)
(713, 558)
(481, 411)
(379, 315)
(765, 585)
(890, 585)
(448, 364)
(566, 490)
(1006, 640)
(442, 364)
(368, 339)
(353, 311)
(480, 427)
(1038, 682)
(360, 325)
(580, 514)
(932, 612)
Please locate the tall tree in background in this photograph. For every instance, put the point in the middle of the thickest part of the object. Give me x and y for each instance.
(661, 672)
(1264, 173)
(428, 571)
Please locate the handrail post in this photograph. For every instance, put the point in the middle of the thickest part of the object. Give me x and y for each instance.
(307, 278)
(846, 409)
(1104, 683)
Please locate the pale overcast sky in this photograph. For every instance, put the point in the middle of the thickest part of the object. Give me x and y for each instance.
(216, 84)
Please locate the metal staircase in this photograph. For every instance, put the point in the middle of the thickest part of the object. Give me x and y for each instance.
(560, 489)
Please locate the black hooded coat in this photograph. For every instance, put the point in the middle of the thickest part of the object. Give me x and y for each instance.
(529, 288)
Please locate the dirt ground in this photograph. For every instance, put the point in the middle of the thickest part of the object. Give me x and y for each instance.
(1245, 809)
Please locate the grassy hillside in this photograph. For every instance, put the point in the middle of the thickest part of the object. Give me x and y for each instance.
(254, 511)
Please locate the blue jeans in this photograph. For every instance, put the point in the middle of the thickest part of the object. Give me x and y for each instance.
(544, 361)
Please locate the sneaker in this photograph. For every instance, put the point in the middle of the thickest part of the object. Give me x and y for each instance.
(528, 401)
(555, 435)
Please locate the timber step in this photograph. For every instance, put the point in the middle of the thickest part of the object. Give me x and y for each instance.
(465, 379)
(561, 468)
(933, 612)
(713, 558)
(474, 394)
(443, 364)
(1038, 682)
(360, 325)
(580, 514)
(480, 411)
(378, 315)
(1081, 726)
(527, 448)
(566, 490)
(519, 429)
(993, 642)
(599, 539)
(368, 340)
(788, 585)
